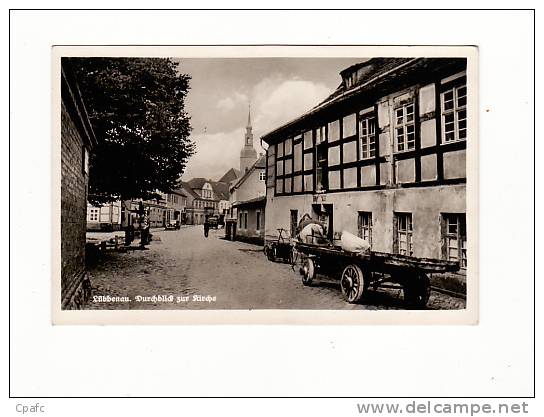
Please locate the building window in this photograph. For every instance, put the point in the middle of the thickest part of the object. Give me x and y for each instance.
(367, 135)
(262, 176)
(241, 218)
(258, 220)
(93, 214)
(321, 169)
(320, 135)
(405, 130)
(454, 238)
(245, 220)
(403, 234)
(85, 158)
(365, 226)
(454, 114)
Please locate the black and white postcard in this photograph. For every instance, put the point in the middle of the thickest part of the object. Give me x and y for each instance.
(332, 185)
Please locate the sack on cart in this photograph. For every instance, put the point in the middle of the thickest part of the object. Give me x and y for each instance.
(353, 244)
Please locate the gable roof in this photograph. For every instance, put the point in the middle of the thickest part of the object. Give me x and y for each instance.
(259, 163)
(197, 183)
(364, 72)
(221, 190)
(188, 189)
(368, 81)
(231, 175)
(179, 191)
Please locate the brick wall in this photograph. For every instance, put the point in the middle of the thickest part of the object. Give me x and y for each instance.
(73, 214)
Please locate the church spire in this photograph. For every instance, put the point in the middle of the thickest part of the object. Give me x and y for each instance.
(248, 155)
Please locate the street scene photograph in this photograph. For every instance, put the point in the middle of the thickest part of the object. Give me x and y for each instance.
(260, 183)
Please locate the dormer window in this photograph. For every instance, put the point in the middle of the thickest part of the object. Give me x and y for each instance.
(351, 79)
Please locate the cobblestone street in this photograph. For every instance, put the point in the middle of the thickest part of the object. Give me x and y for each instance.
(185, 264)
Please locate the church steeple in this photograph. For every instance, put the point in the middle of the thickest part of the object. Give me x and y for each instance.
(249, 118)
(248, 154)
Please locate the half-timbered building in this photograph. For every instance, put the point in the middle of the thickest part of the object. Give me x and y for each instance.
(382, 157)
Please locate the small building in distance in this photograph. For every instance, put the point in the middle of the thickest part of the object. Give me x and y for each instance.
(252, 184)
(247, 202)
(106, 217)
(156, 210)
(201, 200)
(221, 193)
(250, 219)
(176, 205)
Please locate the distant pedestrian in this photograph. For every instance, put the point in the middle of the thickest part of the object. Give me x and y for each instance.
(206, 227)
(144, 232)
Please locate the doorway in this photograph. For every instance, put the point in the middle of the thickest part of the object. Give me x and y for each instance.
(294, 222)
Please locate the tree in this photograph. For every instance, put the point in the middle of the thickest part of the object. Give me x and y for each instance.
(137, 109)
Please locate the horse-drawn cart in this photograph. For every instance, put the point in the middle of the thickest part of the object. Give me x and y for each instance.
(358, 272)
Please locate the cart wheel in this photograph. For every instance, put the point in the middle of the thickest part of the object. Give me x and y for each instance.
(352, 283)
(417, 291)
(308, 271)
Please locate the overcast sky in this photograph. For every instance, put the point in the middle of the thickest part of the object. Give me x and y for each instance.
(280, 89)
